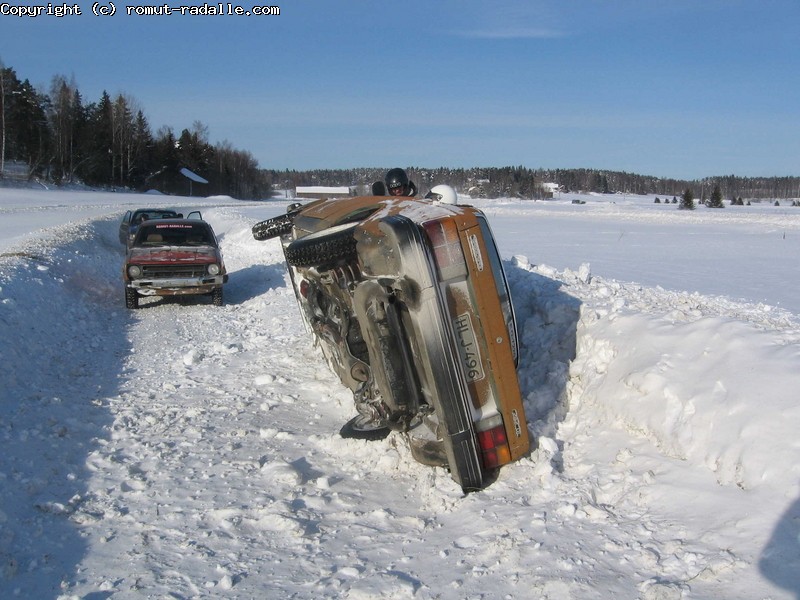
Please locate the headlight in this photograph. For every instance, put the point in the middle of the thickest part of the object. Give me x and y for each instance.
(135, 271)
(213, 269)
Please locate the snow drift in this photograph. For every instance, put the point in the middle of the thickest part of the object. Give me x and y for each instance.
(185, 450)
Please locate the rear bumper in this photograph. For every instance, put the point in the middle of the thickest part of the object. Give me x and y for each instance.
(440, 366)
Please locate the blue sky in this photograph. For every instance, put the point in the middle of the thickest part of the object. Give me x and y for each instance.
(677, 88)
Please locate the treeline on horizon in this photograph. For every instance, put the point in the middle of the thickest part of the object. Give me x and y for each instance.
(526, 183)
(58, 137)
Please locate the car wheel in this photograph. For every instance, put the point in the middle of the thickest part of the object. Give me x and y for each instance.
(266, 230)
(131, 298)
(216, 297)
(363, 428)
(323, 247)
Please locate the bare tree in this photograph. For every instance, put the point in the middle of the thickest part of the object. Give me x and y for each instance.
(65, 113)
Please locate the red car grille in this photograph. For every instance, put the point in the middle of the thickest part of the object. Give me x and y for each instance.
(172, 271)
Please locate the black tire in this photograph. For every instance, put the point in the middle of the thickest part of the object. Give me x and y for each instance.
(361, 428)
(323, 248)
(216, 297)
(271, 228)
(131, 298)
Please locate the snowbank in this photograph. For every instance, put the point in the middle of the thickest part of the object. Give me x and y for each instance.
(192, 451)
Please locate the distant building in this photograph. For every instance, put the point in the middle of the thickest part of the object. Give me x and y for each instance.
(477, 188)
(192, 177)
(322, 191)
(550, 189)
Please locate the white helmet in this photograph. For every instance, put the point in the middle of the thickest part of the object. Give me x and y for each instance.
(443, 193)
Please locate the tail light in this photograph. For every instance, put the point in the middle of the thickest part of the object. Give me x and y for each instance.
(446, 246)
(304, 287)
(494, 445)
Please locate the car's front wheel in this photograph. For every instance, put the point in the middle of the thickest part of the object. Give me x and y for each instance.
(323, 248)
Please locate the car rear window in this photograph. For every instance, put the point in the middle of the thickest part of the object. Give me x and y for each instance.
(175, 234)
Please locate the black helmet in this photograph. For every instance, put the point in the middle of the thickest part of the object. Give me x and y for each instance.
(397, 179)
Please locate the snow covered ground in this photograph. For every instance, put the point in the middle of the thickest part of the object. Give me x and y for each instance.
(188, 451)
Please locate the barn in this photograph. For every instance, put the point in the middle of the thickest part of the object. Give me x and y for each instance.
(321, 191)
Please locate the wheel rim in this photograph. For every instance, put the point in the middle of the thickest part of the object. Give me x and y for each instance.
(364, 424)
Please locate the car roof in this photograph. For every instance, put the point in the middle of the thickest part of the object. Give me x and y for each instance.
(155, 210)
(346, 209)
(334, 209)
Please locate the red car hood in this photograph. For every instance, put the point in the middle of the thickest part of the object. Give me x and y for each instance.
(173, 254)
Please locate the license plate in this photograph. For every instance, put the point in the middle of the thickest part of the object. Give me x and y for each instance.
(468, 347)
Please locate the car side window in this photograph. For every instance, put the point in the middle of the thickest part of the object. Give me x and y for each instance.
(358, 215)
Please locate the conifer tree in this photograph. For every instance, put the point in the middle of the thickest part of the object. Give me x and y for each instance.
(98, 169)
(30, 137)
(716, 198)
(687, 200)
(8, 86)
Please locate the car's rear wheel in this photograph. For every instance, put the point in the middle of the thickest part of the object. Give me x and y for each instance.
(216, 297)
(271, 228)
(323, 248)
(131, 298)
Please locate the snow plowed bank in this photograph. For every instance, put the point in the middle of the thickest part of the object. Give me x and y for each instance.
(191, 450)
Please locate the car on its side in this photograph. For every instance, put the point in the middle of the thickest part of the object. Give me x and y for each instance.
(409, 303)
(173, 257)
(133, 218)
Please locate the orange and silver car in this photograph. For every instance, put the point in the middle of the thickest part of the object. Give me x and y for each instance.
(412, 310)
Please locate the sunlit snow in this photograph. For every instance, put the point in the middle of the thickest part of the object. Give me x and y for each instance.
(185, 451)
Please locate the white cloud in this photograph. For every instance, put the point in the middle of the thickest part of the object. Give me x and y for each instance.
(513, 33)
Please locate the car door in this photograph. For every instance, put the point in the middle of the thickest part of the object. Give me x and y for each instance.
(124, 226)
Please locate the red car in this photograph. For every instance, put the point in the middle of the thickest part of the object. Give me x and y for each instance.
(173, 257)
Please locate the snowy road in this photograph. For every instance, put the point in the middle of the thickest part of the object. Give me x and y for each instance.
(188, 451)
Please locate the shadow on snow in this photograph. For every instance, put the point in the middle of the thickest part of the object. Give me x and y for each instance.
(547, 321)
(780, 559)
(65, 344)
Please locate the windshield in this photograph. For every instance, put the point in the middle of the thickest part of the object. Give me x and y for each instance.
(141, 216)
(175, 234)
